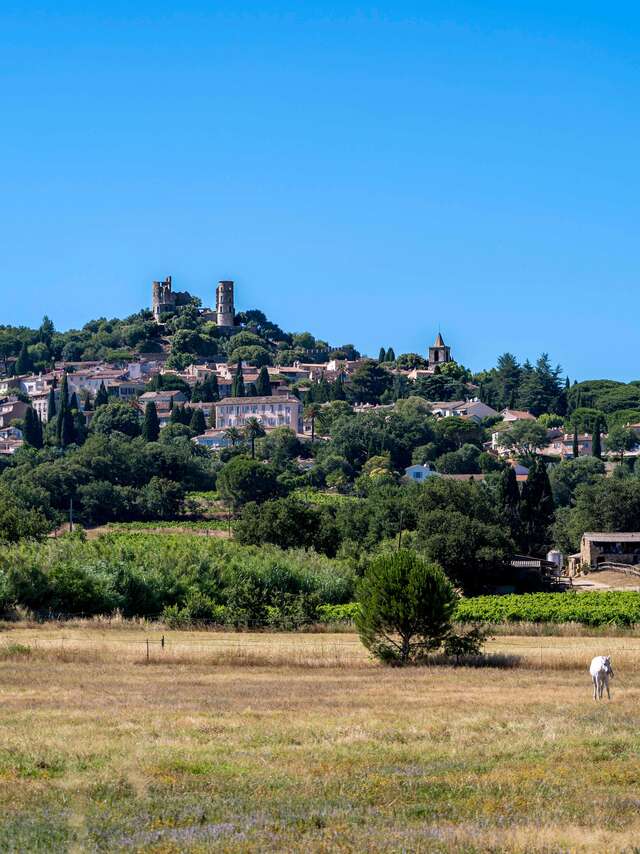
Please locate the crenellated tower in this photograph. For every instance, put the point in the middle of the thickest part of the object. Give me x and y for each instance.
(162, 298)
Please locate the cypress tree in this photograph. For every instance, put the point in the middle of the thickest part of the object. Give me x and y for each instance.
(67, 430)
(73, 402)
(62, 424)
(24, 363)
(38, 433)
(537, 509)
(102, 396)
(596, 446)
(32, 428)
(212, 392)
(51, 404)
(151, 424)
(263, 384)
(251, 390)
(382, 355)
(197, 423)
(79, 426)
(237, 387)
(576, 446)
(338, 392)
(391, 356)
(509, 500)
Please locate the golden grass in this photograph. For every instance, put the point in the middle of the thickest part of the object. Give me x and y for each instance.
(273, 742)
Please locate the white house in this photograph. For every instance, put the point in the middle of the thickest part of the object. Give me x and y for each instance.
(281, 411)
(419, 472)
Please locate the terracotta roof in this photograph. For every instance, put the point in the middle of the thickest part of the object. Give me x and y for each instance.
(519, 413)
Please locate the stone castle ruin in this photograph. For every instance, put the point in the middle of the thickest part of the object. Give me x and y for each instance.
(165, 300)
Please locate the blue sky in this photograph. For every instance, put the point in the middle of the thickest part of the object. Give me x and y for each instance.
(366, 172)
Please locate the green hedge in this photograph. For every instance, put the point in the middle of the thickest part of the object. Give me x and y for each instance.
(338, 613)
(621, 608)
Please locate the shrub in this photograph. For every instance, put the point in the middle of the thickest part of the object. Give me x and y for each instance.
(338, 613)
(469, 643)
(406, 606)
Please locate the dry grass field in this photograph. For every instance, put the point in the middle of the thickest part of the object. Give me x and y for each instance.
(299, 743)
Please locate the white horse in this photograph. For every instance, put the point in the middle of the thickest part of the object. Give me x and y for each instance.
(600, 671)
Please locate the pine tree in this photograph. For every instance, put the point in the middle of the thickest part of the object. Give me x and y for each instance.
(24, 363)
(263, 384)
(596, 447)
(151, 424)
(102, 396)
(382, 355)
(197, 423)
(51, 404)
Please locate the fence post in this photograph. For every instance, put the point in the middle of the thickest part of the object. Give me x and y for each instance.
(162, 642)
(147, 650)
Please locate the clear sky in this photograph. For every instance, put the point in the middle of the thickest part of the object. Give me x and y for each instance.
(365, 172)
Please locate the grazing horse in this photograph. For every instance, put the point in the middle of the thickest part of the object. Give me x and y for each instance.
(600, 671)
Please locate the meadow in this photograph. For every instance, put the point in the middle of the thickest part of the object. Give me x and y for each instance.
(298, 742)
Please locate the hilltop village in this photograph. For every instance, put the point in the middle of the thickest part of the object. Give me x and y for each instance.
(248, 381)
(213, 390)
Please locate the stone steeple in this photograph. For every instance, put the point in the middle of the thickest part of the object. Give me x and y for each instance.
(439, 354)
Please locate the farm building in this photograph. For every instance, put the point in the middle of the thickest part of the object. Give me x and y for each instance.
(599, 548)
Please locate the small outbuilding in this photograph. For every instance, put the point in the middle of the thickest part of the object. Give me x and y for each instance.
(597, 548)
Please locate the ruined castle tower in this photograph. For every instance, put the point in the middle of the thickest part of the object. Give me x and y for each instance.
(162, 298)
(225, 312)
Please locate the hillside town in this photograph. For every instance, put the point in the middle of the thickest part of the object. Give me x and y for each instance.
(274, 394)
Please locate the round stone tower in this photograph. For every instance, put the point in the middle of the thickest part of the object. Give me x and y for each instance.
(225, 312)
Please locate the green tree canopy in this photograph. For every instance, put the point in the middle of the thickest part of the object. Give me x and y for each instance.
(116, 415)
(406, 605)
(243, 479)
